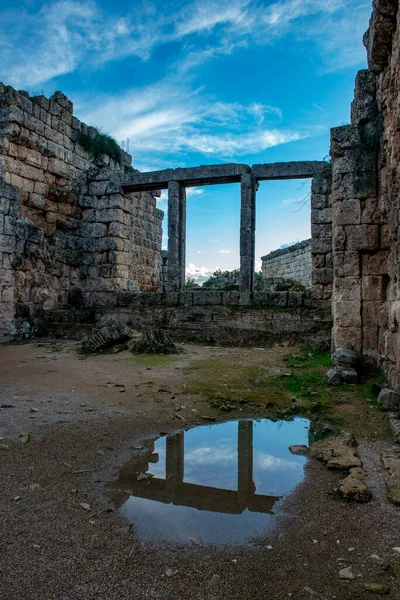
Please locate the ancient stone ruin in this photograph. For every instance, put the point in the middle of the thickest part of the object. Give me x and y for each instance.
(80, 230)
(293, 262)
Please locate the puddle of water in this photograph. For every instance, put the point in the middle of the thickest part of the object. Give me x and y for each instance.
(220, 483)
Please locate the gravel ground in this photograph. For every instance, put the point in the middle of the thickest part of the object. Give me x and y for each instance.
(83, 428)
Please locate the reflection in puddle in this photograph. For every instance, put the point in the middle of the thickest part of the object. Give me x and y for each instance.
(218, 483)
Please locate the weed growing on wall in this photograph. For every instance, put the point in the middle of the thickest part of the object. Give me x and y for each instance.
(101, 144)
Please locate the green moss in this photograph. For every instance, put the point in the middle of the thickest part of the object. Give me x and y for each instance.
(220, 380)
(101, 144)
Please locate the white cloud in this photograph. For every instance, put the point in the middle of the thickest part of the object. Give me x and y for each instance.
(224, 251)
(197, 273)
(198, 251)
(222, 453)
(268, 462)
(193, 122)
(65, 34)
(194, 191)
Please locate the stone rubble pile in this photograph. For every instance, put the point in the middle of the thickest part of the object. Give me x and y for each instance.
(344, 369)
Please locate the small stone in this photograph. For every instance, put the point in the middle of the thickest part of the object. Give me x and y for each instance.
(393, 491)
(300, 449)
(348, 376)
(377, 588)
(353, 487)
(333, 377)
(389, 398)
(170, 572)
(215, 579)
(346, 573)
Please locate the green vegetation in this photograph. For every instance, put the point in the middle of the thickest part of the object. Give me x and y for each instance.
(101, 144)
(129, 169)
(300, 388)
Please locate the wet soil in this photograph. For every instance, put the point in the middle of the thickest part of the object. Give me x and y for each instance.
(63, 539)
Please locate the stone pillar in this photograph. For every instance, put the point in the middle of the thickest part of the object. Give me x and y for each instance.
(321, 237)
(248, 188)
(176, 236)
(245, 461)
(174, 461)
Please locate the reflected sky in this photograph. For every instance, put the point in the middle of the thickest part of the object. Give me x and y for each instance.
(219, 483)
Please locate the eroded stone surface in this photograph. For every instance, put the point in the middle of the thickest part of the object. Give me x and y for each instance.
(353, 487)
(337, 452)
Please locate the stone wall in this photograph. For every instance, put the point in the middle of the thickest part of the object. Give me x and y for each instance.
(321, 237)
(230, 318)
(365, 199)
(293, 262)
(68, 233)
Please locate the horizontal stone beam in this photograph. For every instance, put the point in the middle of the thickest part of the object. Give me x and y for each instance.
(151, 180)
(193, 176)
(288, 170)
(217, 174)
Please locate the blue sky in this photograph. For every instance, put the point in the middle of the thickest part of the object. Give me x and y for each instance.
(199, 82)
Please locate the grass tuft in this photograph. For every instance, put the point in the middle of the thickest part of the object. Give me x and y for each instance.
(101, 144)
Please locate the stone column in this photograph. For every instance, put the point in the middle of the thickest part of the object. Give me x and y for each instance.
(174, 461)
(176, 236)
(248, 188)
(245, 461)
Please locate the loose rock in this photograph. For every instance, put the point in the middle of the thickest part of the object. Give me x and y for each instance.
(377, 588)
(338, 452)
(346, 573)
(353, 487)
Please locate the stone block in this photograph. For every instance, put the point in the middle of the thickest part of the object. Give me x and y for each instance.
(333, 377)
(347, 212)
(345, 357)
(374, 287)
(344, 137)
(320, 201)
(362, 237)
(389, 398)
(207, 298)
(323, 215)
(376, 263)
(346, 264)
(321, 276)
(321, 246)
(186, 298)
(295, 299)
(347, 314)
(347, 289)
(260, 298)
(171, 298)
(98, 188)
(354, 185)
(99, 230)
(278, 299)
(106, 243)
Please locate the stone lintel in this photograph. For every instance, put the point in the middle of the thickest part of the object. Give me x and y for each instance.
(151, 180)
(288, 170)
(192, 176)
(211, 174)
(218, 174)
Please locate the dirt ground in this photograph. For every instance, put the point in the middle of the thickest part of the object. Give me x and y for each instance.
(69, 422)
